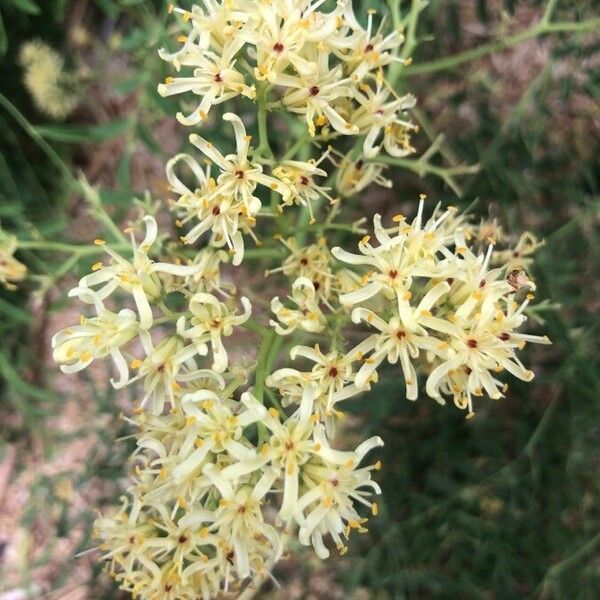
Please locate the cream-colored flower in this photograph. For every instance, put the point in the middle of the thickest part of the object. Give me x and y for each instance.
(365, 51)
(215, 78)
(215, 426)
(354, 175)
(210, 321)
(239, 517)
(280, 38)
(291, 445)
(398, 342)
(304, 190)
(74, 348)
(311, 262)
(332, 375)
(158, 370)
(208, 278)
(381, 120)
(481, 343)
(409, 253)
(333, 486)
(307, 316)
(239, 177)
(139, 277)
(314, 97)
(220, 214)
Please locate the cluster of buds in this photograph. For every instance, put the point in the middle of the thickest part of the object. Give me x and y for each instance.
(233, 460)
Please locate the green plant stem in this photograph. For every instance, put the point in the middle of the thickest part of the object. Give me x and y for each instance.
(422, 167)
(263, 366)
(543, 27)
(269, 339)
(410, 41)
(264, 147)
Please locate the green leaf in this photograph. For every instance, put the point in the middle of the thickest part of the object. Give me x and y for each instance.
(15, 313)
(27, 6)
(124, 171)
(148, 139)
(3, 38)
(84, 133)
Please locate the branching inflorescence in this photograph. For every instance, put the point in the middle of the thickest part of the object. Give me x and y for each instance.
(222, 479)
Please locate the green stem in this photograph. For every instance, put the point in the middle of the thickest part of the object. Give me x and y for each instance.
(263, 368)
(413, 19)
(263, 136)
(262, 363)
(255, 327)
(541, 28)
(423, 167)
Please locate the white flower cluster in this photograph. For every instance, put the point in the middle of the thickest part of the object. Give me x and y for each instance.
(434, 301)
(196, 523)
(173, 358)
(220, 480)
(449, 310)
(324, 66)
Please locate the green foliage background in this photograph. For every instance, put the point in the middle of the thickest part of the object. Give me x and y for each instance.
(502, 506)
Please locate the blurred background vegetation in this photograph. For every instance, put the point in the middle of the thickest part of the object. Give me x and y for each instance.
(501, 506)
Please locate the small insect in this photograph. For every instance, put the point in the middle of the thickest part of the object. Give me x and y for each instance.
(517, 278)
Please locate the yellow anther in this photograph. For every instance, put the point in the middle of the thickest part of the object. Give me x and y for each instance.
(374, 509)
(99, 242)
(97, 266)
